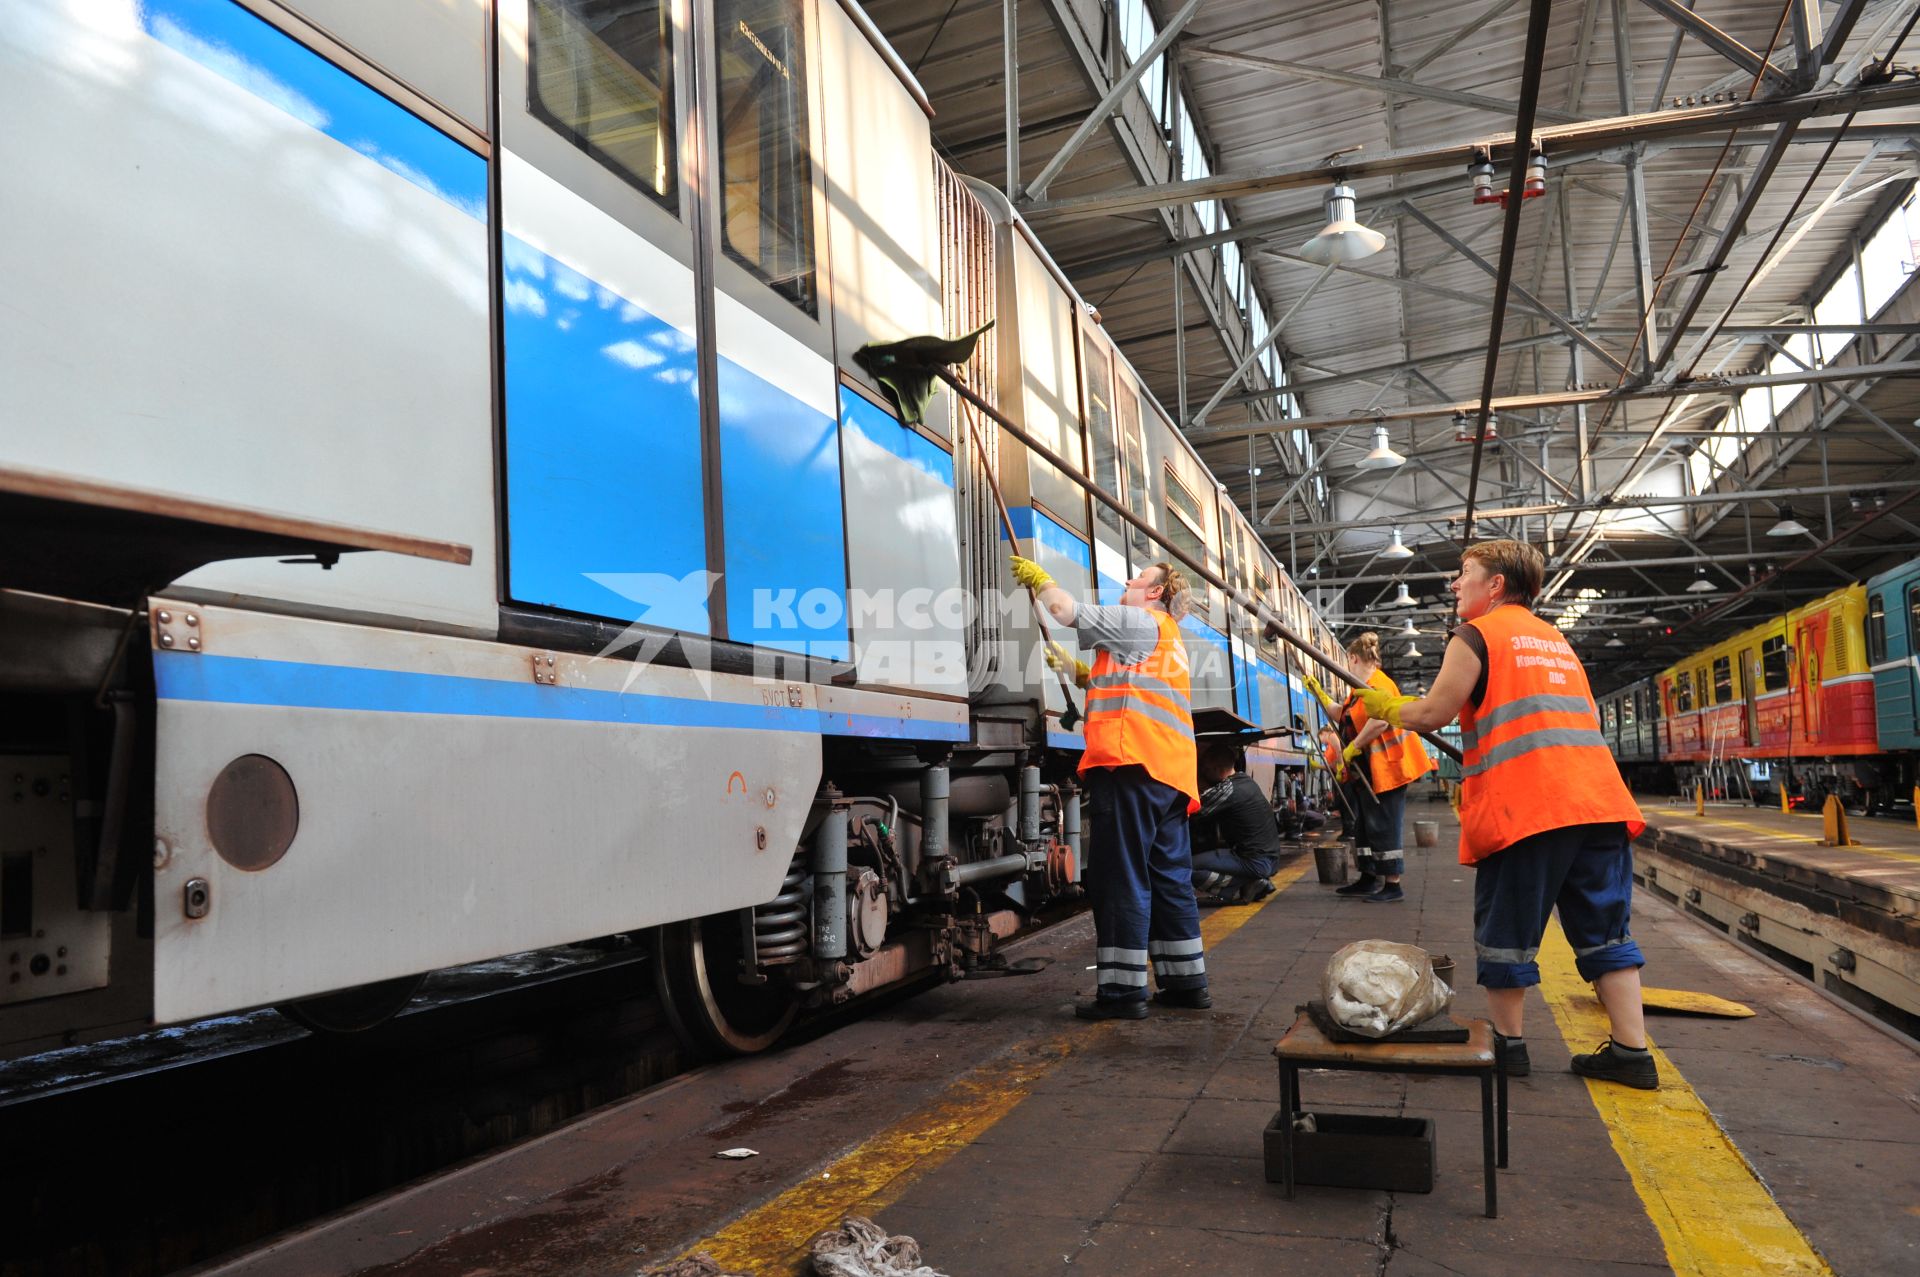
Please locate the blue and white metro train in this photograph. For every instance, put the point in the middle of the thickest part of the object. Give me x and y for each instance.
(440, 516)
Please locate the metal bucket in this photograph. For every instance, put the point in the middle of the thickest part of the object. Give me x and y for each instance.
(1334, 860)
(1426, 833)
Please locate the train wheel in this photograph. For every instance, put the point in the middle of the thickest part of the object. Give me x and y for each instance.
(353, 1010)
(697, 973)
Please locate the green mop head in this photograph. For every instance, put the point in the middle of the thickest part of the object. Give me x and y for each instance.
(905, 368)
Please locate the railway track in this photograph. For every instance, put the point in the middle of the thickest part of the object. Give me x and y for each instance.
(144, 1156)
(150, 1154)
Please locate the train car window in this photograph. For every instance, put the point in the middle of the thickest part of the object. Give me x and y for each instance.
(1700, 696)
(1184, 502)
(1186, 533)
(1682, 694)
(1106, 457)
(1876, 628)
(1133, 461)
(1773, 662)
(1722, 679)
(1626, 710)
(1913, 619)
(600, 72)
(766, 170)
(1609, 715)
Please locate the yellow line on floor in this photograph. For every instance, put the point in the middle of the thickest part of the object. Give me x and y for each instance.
(772, 1239)
(1713, 1213)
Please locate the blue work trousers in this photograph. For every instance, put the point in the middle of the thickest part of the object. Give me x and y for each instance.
(1383, 816)
(1585, 873)
(1225, 860)
(1140, 880)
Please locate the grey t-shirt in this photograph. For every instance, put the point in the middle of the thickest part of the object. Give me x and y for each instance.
(1128, 634)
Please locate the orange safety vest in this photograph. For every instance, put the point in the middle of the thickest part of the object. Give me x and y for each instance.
(1397, 758)
(1142, 715)
(1534, 756)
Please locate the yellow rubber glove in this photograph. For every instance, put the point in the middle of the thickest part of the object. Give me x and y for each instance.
(1320, 694)
(1030, 574)
(1385, 706)
(1351, 752)
(1059, 658)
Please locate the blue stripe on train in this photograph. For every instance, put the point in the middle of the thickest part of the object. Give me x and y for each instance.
(251, 53)
(604, 508)
(879, 427)
(232, 680)
(786, 547)
(1031, 525)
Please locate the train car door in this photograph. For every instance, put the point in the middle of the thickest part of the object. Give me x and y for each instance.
(782, 530)
(604, 451)
(1751, 694)
(1912, 716)
(1812, 650)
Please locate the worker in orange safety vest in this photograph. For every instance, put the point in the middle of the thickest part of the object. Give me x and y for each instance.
(1545, 820)
(1142, 778)
(1394, 760)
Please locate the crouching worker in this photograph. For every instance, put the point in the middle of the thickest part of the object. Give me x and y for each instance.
(1235, 833)
(1544, 818)
(1140, 773)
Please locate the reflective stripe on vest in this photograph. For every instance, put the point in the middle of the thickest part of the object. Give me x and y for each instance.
(1142, 714)
(1534, 756)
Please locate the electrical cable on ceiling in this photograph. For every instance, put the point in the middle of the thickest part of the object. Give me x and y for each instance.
(1539, 16)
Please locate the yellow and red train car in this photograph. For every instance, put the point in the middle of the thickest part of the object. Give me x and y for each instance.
(1794, 691)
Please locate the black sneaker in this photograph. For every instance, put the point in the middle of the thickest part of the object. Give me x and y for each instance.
(1110, 1009)
(1518, 1064)
(1388, 894)
(1610, 1063)
(1186, 999)
(1364, 885)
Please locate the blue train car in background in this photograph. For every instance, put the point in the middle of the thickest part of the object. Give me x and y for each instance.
(1893, 655)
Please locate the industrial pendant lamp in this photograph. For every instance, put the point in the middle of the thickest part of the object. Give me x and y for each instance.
(1402, 599)
(1788, 525)
(1614, 641)
(1406, 628)
(1383, 457)
(1398, 549)
(1701, 585)
(1413, 650)
(1343, 239)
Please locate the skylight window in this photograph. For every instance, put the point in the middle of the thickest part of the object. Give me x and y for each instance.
(1886, 262)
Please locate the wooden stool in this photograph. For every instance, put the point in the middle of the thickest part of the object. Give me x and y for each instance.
(1482, 1055)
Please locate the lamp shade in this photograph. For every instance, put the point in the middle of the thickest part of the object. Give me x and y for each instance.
(1701, 585)
(1788, 526)
(1343, 239)
(1383, 457)
(1398, 549)
(1615, 641)
(1413, 649)
(1402, 599)
(1406, 627)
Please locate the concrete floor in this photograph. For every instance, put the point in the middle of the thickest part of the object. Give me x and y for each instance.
(1008, 1138)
